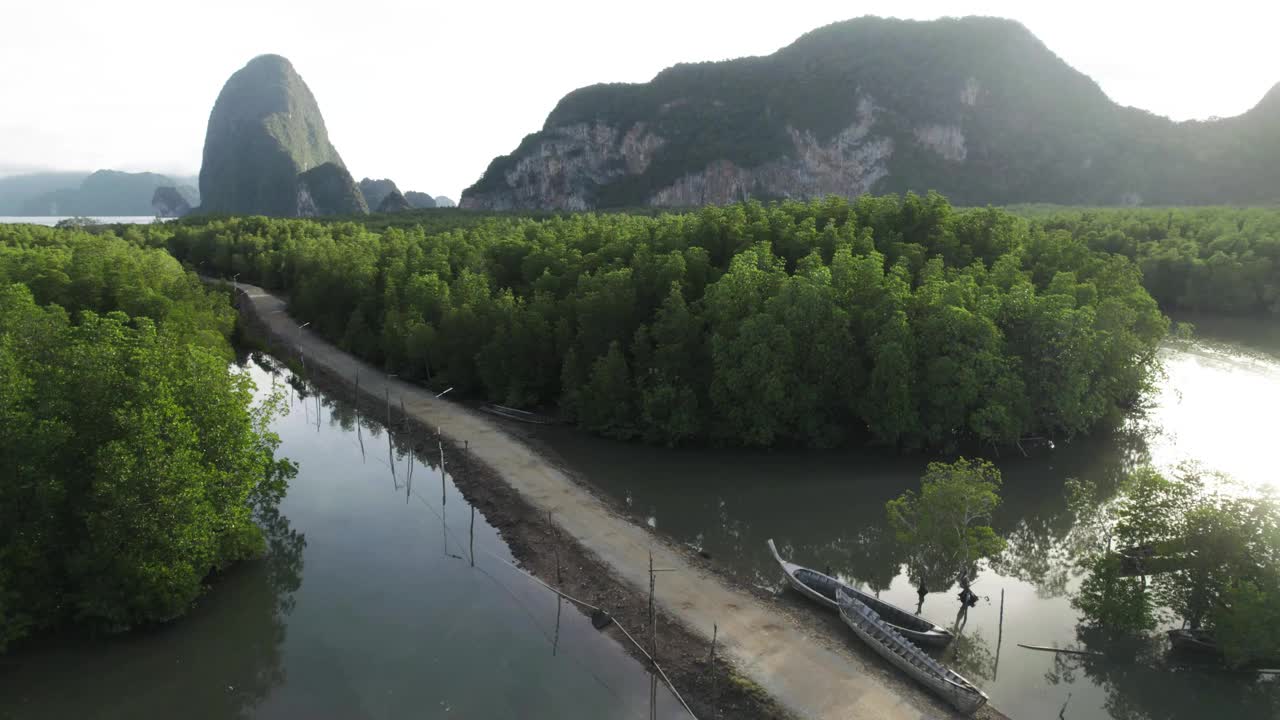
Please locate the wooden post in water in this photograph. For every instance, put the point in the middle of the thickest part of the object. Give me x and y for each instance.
(715, 712)
(995, 672)
(404, 416)
(441, 443)
(473, 536)
(555, 545)
(387, 392)
(555, 644)
(653, 646)
(391, 461)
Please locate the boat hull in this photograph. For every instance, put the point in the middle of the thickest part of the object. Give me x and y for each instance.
(822, 589)
(1192, 641)
(902, 654)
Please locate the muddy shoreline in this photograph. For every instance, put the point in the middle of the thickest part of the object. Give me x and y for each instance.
(537, 543)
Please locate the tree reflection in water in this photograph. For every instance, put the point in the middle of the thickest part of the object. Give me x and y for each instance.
(1049, 531)
(971, 656)
(1144, 681)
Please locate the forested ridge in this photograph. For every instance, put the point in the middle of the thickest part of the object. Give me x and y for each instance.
(132, 460)
(1024, 125)
(898, 321)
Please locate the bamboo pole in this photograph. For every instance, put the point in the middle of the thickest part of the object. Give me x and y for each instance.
(653, 631)
(555, 644)
(1043, 648)
(555, 546)
(715, 712)
(391, 461)
(1000, 641)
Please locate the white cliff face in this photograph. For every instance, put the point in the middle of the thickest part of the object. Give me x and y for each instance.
(306, 203)
(946, 140)
(848, 164)
(565, 168)
(570, 163)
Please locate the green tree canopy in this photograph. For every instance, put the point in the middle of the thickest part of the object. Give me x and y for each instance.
(131, 454)
(947, 524)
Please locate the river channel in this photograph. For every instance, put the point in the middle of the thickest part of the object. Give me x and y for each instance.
(1215, 405)
(367, 606)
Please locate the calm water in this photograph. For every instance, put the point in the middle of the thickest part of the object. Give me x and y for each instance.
(1217, 405)
(367, 607)
(51, 220)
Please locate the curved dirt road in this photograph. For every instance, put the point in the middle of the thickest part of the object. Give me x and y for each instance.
(812, 679)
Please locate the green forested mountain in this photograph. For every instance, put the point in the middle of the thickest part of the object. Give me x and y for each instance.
(976, 108)
(375, 191)
(394, 202)
(265, 131)
(421, 201)
(328, 189)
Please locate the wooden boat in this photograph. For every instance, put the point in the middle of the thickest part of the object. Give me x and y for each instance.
(1199, 641)
(823, 588)
(1154, 558)
(892, 646)
(515, 414)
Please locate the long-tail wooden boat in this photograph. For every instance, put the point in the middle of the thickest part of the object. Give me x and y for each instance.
(892, 646)
(1198, 641)
(516, 414)
(1203, 645)
(823, 588)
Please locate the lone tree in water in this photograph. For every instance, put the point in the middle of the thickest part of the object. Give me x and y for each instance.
(947, 525)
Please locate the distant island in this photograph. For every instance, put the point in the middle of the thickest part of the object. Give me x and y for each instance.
(102, 193)
(383, 196)
(975, 108)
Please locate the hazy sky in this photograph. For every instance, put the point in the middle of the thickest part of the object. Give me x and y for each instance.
(428, 93)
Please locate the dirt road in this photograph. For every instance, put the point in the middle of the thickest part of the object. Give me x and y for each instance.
(810, 676)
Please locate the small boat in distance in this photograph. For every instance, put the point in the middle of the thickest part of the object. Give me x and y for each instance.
(823, 588)
(515, 414)
(892, 646)
(1199, 641)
